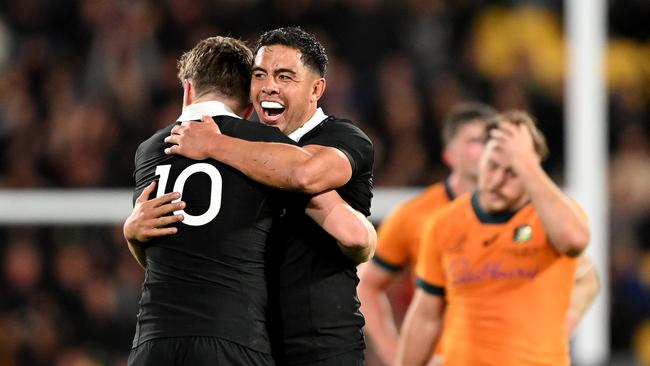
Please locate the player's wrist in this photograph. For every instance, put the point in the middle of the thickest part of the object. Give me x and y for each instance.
(218, 147)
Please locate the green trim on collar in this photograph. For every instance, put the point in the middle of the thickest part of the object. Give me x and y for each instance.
(487, 217)
(450, 194)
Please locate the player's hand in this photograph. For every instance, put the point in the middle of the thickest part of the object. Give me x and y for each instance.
(193, 139)
(516, 142)
(149, 218)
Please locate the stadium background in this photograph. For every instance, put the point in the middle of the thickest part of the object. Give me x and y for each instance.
(83, 82)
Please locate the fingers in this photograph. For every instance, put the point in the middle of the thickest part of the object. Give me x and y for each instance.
(498, 134)
(167, 220)
(146, 192)
(166, 198)
(166, 209)
(163, 202)
(211, 123)
(174, 149)
(158, 232)
(173, 139)
(509, 128)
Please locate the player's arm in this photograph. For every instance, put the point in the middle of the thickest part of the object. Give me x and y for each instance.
(565, 224)
(375, 306)
(423, 321)
(585, 289)
(150, 219)
(421, 329)
(356, 236)
(311, 169)
(378, 275)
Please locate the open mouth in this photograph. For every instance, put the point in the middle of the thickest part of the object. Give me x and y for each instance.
(272, 110)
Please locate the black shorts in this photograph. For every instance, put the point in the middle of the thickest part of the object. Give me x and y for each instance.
(196, 351)
(353, 358)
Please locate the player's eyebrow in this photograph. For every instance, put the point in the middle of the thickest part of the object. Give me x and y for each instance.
(276, 71)
(284, 70)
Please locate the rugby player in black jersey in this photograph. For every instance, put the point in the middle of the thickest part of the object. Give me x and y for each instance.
(318, 321)
(205, 293)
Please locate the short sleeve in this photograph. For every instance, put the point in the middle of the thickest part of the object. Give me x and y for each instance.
(393, 238)
(347, 138)
(429, 268)
(253, 131)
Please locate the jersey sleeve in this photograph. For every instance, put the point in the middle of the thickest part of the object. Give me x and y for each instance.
(253, 131)
(148, 155)
(137, 174)
(393, 237)
(350, 140)
(429, 268)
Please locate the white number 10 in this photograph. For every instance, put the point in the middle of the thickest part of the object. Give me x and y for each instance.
(215, 190)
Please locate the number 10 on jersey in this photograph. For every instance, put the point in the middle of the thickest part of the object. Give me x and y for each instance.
(179, 185)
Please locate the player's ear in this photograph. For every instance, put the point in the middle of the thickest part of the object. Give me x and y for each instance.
(318, 89)
(448, 157)
(188, 91)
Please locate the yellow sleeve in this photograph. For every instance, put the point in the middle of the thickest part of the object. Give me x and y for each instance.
(393, 239)
(429, 269)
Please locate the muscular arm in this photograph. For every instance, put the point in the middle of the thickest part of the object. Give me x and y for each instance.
(150, 219)
(585, 289)
(375, 306)
(356, 236)
(566, 226)
(421, 329)
(312, 169)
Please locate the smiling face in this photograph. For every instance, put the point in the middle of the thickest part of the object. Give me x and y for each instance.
(284, 91)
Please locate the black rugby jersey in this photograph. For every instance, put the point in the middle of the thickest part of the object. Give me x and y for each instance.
(315, 284)
(209, 278)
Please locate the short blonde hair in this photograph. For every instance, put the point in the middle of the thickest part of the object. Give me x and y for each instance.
(518, 118)
(218, 64)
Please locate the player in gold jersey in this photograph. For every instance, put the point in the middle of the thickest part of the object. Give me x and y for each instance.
(399, 234)
(499, 264)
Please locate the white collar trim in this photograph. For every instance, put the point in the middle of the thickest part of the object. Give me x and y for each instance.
(317, 118)
(211, 108)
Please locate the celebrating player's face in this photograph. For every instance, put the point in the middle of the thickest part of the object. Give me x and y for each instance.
(500, 188)
(283, 89)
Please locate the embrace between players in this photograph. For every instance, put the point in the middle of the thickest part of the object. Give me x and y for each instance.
(256, 265)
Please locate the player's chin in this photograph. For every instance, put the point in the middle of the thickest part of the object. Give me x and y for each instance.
(495, 205)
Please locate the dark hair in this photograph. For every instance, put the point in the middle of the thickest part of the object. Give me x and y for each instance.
(219, 64)
(312, 52)
(462, 114)
(520, 118)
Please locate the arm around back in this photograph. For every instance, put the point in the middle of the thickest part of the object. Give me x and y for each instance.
(355, 235)
(312, 169)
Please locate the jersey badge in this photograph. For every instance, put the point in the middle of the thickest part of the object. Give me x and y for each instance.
(523, 234)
